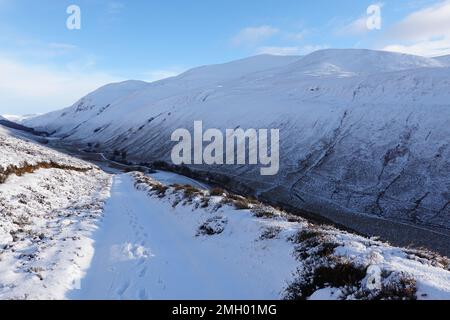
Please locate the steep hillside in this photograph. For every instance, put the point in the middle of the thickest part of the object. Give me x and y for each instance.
(49, 205)
(362, 132)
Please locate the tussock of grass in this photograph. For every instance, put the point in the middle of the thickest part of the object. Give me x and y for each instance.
(212, 226)
(307, 234)
(205, 202)
(265, 212)
(241, 204)
(322, 268)
(270, 233)
(428, 257)
(218, 192)
(401, 286)
(160, 190)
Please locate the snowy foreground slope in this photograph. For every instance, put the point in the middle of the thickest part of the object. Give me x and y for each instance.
(49, 205)
(179, 242)
(68, 232)
(362, 132)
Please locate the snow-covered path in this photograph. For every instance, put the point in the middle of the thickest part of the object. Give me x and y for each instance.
(145, 251)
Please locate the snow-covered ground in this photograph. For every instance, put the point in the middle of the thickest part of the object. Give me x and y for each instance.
(75, 232)
(15, 151)
(46, 218)
(158, 243)
(145, 249)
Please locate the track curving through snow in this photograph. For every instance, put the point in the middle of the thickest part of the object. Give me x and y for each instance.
(143, 251)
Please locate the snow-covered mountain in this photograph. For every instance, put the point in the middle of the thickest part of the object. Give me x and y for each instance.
(18, 118)
(444, 59)
(361, 131)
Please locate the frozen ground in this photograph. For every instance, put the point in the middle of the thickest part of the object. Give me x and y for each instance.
(75, 232)
(46, 219)
(153, 244)
(145, 249)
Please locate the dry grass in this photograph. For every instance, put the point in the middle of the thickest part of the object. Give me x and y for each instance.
(28, 168)
(264, 212)
(241, 204)
(212, 226)
(270, 233)
(218, 192)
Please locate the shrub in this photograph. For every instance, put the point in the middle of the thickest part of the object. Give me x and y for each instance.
(205, 202)
(212, 226)
(160, 190)
(270, 233)
(241, 204)
(217, 192)
(305, 235)
(263, 212)
(341, 275)
(398, 286)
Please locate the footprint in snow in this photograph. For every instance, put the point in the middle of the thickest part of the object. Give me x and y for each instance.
(143, 294)
(123, 289)
(143, 273)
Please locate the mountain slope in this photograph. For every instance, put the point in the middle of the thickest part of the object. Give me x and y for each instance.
(49, 204)
(362, 132)
(444, 59)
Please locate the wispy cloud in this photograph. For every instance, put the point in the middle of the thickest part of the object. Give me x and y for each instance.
(424, 32)
(23, 85)
(355, 27)
(254, 35)
(115, 7)
(267, 39)
(296, 36)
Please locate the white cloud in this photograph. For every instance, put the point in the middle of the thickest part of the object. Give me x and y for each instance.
(424, 24)
(296, 36)
(62, 46)
(433, 48)
(425, 32)
(35, 88)
(356, 27)
(254, 35)
(29, 49)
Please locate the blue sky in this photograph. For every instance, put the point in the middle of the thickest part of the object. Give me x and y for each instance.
(44, 66)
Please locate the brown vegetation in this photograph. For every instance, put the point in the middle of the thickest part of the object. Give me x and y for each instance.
(29, 168)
